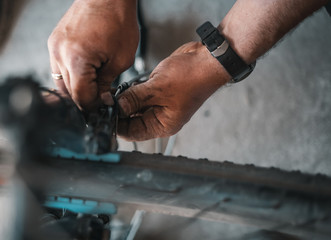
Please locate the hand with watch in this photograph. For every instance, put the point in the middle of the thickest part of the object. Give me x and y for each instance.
(181, 83)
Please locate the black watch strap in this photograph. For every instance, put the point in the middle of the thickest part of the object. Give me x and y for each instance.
(222, 51)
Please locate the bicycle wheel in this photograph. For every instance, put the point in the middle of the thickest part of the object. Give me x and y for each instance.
(288, 202)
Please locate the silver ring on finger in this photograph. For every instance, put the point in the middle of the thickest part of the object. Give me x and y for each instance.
(57, 76)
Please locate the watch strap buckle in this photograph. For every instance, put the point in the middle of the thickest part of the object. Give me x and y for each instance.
(221, 49)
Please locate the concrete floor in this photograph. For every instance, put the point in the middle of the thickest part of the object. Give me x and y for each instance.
(280, 116)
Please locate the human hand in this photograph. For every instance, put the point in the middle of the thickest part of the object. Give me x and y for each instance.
(93, 43)
(177, 87)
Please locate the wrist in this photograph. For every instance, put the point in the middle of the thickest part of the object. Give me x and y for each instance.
(237, 28)
(213, 70)
(241, 45)
(221, 50)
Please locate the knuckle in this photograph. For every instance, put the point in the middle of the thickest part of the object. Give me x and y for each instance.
(169, 130)
(165, 126)
(50, 41)
(53, 41)
(72, 61)
(125, 62)
(129, 62)
(78, 65)
(171, 126)
(53, 47)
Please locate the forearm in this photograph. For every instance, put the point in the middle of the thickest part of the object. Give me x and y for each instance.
(253, 26)
(122, 8)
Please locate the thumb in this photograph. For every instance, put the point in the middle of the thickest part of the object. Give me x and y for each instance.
(143, 127)
(136, 99)
(142, 114)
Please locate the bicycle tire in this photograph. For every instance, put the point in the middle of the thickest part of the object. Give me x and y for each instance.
(289, 202)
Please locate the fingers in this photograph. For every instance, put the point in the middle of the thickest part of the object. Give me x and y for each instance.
(139, 125)
(136, 99)
(55, 69)
(83, 85)
(144, 114)
(54, 54)
(147, 126)
(80, 78)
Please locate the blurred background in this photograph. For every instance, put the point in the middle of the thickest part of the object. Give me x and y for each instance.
(280, 116)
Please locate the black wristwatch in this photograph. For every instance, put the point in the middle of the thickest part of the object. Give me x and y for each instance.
(222, 51)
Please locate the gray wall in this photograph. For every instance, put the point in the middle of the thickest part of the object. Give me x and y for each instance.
(279, 116)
